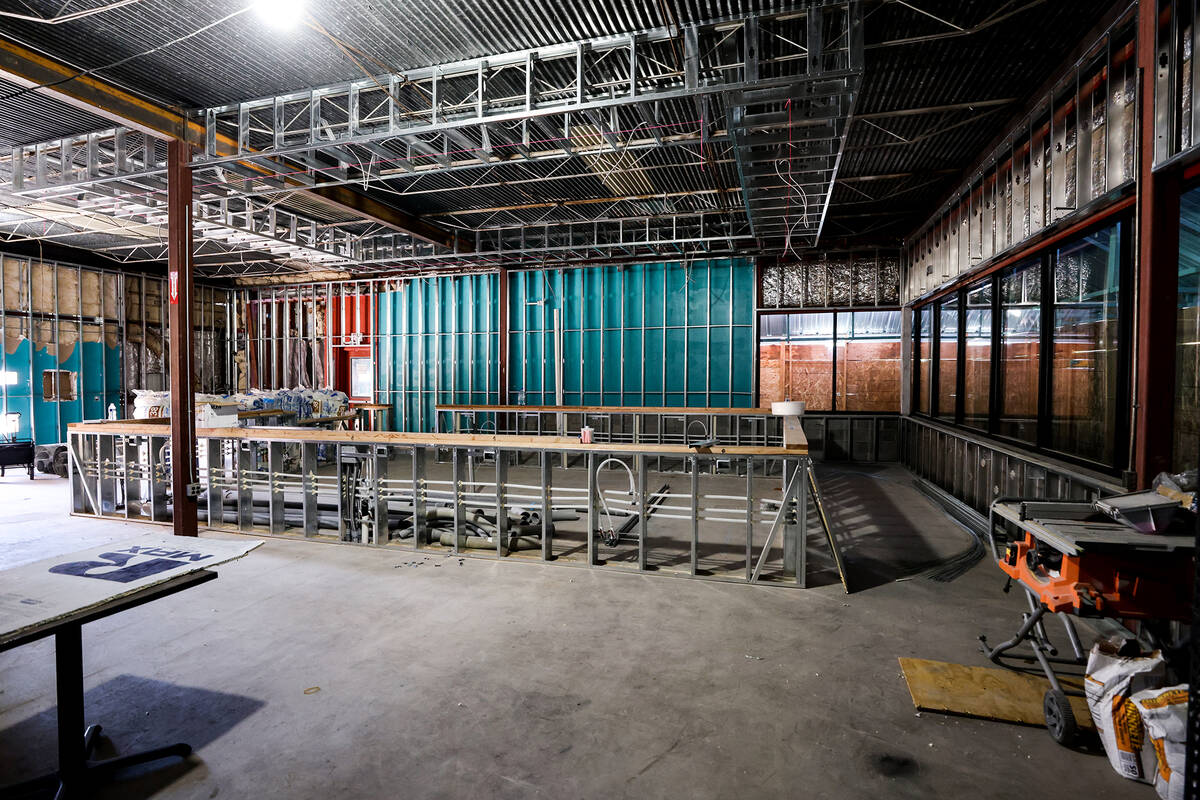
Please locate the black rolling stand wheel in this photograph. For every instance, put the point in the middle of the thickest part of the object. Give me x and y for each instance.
(1060, 718)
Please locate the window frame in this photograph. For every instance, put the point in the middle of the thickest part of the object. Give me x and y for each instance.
(991, 420)
(833, 362)
(998, 375)
(927, 408)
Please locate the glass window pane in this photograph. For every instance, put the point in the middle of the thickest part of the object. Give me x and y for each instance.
(977, 378)
(868, 361)
(947, 395)
(924, 344)
(796, 359)
(1020, 350)
(1083, 381)
(1187, 353)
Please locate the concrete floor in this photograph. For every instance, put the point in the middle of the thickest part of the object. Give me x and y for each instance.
(316, 670)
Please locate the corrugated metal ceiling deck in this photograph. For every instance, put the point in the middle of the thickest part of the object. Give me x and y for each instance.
(241, 58)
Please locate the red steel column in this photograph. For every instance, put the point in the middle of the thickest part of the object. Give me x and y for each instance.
(179, 288)
(1157, 276)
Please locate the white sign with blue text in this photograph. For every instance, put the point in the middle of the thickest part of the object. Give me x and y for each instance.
(36, 594)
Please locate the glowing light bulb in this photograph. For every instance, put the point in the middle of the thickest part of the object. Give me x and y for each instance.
(280, 14)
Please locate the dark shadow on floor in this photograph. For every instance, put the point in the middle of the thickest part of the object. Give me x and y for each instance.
(136, 714)
(884, 528)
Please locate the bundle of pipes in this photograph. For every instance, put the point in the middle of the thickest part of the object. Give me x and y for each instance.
(524, 528)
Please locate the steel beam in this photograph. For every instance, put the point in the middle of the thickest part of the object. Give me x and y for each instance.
(179, 287)
(49, 76)
(363, 205)
(1157, 276)
(35, 71)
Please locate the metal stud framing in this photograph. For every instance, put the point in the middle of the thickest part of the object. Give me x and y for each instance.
(404, 491)
(1075, 150)
(29, 314)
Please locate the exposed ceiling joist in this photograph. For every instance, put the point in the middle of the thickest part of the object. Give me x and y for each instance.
(38, 72)
(912, 112)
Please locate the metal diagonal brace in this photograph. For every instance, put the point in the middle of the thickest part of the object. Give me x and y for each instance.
(780, 516)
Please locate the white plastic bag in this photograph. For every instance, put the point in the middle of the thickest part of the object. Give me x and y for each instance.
(1110, 682)
(1164, 717)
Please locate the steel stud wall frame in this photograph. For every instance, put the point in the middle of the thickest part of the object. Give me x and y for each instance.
(1176, 110)
(664, 334)
(740, 516)
(103, 327)
(438, 342)
(969, 471)
(1073, 155)
(865, 438)
(300, 335)
(748, 427)
(671, 333)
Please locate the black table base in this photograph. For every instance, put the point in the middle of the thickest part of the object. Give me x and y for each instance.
(77, 775)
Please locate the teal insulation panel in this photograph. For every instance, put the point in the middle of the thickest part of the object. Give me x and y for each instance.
(95, 377)
(663, 334)
(438, 343)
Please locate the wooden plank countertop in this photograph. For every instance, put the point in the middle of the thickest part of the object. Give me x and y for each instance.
(664, 410)
(564, 443)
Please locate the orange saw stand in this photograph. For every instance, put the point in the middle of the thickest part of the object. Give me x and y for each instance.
(1072, 560)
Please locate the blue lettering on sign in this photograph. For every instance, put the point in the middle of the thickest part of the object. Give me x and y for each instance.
(115, 567)
(182, 555)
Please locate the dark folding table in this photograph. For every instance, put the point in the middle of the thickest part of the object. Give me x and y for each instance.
(77, 775)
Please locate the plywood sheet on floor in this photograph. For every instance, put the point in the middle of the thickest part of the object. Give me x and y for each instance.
(984, 692)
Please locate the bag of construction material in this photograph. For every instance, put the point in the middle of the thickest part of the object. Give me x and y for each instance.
(1110, 683)
(151, 405)
(1180, 487)
(1164, 719)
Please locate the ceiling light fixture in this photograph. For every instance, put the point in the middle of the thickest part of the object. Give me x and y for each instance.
(280, 14)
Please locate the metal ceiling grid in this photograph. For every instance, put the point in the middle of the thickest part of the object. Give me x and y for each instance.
(612, 111)
(212, 67)
(944, 89)
(901, 154)
(788, 141)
